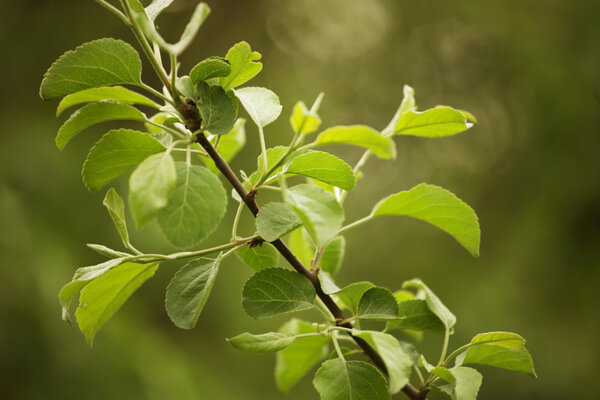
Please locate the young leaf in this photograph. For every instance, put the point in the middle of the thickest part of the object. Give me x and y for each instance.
(318, 209)
(301, 245)
(440, 208)
(258, 257)
(464, 382)
(339, 379)
(265, 343)
(116, 208)
(103, 296)
(351, 295)
(435, 122)
(114, 93)
(150, 187)
(433, 302)
(156, 7)
(216, 108)
(407, 104)
(377, 303)
(275, 291)
(416, 315)
(274, 154)
(324, 167)
(92, 114)
(261, 104)
(303, 120)
(229, 144)
(106, 251)
(244, 65)
(97, 63)
(275, 220)
(300, 356)
(115, 153)
(212, 67)
(361, 136)
(332, 257)
(398, 363)
(189, 289)
(196, 206)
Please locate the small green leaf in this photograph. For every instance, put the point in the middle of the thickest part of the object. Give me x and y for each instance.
(216, 108)
(106, 251)
(92, 114)
(440, 208)
(300, 356)
(115, 153)
(275, 291)
(189, 289)
(244, 65)
(416, 315)
(318, 209)
(212, 67)
(433, 302)
(351, 295)
(465, 382)
(377, 303)
(114, 93)
(150, 187)
(301, 245)
(156, 7)
(101, 298)
(333, 255)
(407, 104)
(339, 379)
(97, 63)
(265, 343)
(398, 363)
(324, 167)
(274, 154)
(258, 257)
(196, 206)
(303, 120)
(361, 136)
(436, 122)
(261, 104)
(116, 208)
(229, 144)
(274, 220)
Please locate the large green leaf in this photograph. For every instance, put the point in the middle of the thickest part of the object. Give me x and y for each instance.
(150, 187)
(244, 65)
(433, 302)
(275, 220)
(324, 167)
(339, 379)
(189, 289)
(212, 67)
(216, 108)
(95, 113)
(261, 104)
(115, 93)
(275, 291)
(116, 208)
(115, 153)
(318, 209)
(101, 298)
(97, 63)
(196, 206)
(361, 136)
(258, 257)
(440, 208)
(265, 343)
(300, 356)
(377, 303)
(464, 382)
(435, 122)
(398, 363)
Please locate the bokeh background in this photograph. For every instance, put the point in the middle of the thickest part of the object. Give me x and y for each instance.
(529, 70)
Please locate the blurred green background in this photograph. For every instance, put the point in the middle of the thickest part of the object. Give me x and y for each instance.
(529, 70)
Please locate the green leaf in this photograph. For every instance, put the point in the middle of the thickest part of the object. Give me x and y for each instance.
(499, 349)
(261, 104)
(116, 208)
(115, 93)
(92, 114)
(407, 104)
(340, 380)
(150, 187)
(275, 219)
(303, 120)
(216, 108)
(102, 297)
(300, 356)
(265, 343)
(276, 291)
(465, 382)
(274, 154)
(106, 251)
(351, 295)
(440, 208)
(196, 206)
(97, 63)
(212, 67)
(333, 255)
(156, 7)
(115, 153)
(361, 136)
(377, 303)
(258, 257)
(301, 245)
(244, 65)
(229, 144)
(436, 122)
(416, 315)
(189, 289)
(324, 167)
(398, 363)
(318, 209)
(433, 302)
